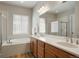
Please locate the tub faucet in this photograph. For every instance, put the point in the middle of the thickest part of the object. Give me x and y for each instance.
(8, 41)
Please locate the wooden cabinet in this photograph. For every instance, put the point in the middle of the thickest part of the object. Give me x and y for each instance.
(33, 46)
(41, 49)
(51, 51)
(44, 50)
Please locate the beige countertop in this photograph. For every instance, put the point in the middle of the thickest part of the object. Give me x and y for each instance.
(54, 42)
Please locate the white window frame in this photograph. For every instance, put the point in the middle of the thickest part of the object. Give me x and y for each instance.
(54, 26)
(42, 26)
(20, 26)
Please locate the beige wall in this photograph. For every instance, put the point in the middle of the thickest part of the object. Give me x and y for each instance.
(8, 11)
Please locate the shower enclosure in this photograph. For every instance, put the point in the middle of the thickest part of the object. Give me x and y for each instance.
(66, 26)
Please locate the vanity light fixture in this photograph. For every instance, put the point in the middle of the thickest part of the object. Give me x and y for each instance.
(43, 9)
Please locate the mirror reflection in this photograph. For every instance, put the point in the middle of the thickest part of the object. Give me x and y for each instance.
(58, 20)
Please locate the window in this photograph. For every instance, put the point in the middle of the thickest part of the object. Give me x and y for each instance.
(20, 24)
(54, 26)
(42, 25)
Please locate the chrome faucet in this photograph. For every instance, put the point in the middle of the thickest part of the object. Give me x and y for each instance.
(8, 41)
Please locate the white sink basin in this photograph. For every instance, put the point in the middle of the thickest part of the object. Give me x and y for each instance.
(69, 45)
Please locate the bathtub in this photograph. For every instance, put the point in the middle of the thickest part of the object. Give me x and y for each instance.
(16, 41)
(15, 47)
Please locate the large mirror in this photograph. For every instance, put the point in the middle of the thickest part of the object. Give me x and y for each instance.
(59, 20)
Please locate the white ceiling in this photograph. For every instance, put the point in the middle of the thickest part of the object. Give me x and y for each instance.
(28, 4)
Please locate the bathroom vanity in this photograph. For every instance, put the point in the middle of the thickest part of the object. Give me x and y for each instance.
(49, 48)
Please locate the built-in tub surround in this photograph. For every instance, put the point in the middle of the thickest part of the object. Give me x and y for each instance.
(16, 41)
(15, 46)
(74, 49)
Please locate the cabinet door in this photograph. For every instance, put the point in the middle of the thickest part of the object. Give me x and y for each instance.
(49, 52)
(40, 49)
(33, 46)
